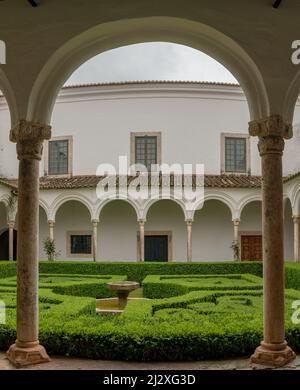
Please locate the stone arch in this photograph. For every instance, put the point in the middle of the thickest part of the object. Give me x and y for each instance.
(9, 95)
(102, 204)
(223, 198)
(248, 199)
(295, 201)
(45, 207)
(64, 198)
(151, 202)
(290, 98)
(111, 35)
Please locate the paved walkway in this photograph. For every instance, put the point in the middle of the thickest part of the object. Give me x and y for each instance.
(66, 363)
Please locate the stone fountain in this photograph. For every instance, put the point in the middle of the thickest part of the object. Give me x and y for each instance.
(123, 289)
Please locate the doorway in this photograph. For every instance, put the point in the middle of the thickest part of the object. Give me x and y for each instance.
(251, 248)
(157, 248)
(4, 242)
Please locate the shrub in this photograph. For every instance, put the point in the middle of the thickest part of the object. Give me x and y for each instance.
(138, 271)
(292, 275)
(199, 324)
(161, 286)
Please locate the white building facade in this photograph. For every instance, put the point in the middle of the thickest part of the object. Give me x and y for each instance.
(150, 123)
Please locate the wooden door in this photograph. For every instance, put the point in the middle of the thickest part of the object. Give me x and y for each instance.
(251, 248)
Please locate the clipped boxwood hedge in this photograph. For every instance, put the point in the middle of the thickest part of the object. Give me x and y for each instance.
(138, 271)
(196, 325)
(161, 286)
(292, 275)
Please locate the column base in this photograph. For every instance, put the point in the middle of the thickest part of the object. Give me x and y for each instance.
(24, 354)
(275, 355)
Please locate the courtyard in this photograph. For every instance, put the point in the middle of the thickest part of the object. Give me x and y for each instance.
(191, 312)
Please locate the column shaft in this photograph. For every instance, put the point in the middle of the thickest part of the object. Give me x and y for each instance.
(11, 225)
(51, 230)
(95, 239)
(189, 225)
(29, 138)
(273, 349)
(236, 224)
(142, 239)
(296, 219)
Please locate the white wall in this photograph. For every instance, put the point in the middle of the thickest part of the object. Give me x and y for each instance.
(166, 215)
(117, 233)
(191, 125)
(71, 216)
(212, 233)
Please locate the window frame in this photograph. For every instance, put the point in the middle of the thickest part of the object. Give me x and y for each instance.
(78, 233)
(68, 138)
(223, 153)
(134, 135)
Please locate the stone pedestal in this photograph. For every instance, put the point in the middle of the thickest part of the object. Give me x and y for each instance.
(273, 349)
(275, 355)
(29, 138)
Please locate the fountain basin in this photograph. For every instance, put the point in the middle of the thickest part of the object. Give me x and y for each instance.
(123, 288)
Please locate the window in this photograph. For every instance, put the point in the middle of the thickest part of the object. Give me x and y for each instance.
(79, 244)
(58, 156)
(235, 149)
(146, 149)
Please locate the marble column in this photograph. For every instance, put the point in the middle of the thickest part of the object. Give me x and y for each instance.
(51, 230)
(296, 219)
(95, 239)
(11, 225)
(271, 131)
(29, 137)
(189, 225)
(142, 239)
(236, 224)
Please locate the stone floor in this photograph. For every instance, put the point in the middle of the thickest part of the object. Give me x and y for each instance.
(66, 363)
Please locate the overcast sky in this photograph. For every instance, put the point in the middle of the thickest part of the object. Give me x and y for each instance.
(151, 61)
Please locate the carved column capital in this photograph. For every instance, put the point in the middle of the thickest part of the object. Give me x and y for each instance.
(11, 224)
(95, 222)
(141, 222)
(51, 223)
(296, 218)
(236, 222)
(271, 126)
(189, 222)
(29, 137)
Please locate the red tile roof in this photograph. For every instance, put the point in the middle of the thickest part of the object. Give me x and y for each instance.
(91, 181)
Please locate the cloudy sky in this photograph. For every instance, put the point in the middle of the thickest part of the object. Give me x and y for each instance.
(151, 61)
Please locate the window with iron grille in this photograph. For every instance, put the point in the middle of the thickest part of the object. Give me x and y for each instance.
(81, 244)
(146, 150)
(235, 154)
(58, 157)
